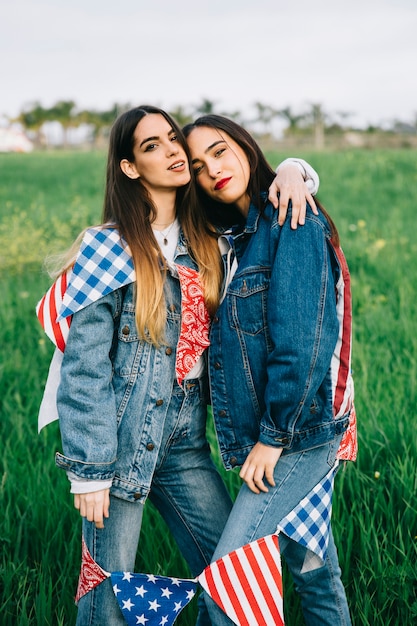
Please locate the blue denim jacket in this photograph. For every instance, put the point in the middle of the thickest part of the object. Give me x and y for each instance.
(273, 340)
(112, 404)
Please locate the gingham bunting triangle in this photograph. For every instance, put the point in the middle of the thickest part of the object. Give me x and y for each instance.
(309, 522)
(103, 264)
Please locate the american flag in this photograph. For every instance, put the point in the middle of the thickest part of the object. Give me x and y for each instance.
(151, 600)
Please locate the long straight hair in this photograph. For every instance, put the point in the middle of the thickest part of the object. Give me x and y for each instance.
(128, 204)
(260, 178)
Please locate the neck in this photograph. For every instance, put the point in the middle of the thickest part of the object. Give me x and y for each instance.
(243, 205)
(164, 203)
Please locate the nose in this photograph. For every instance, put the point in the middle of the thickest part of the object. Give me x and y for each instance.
(173, 148)
(213, 169)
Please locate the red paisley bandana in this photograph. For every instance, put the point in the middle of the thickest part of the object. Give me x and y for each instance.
(195, 322)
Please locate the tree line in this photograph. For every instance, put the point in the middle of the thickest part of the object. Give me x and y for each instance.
(314, 122)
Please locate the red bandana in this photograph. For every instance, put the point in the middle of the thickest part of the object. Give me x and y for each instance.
(195, 322)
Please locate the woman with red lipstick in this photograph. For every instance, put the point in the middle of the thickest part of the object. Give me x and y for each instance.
(279, 367)
(132, 399)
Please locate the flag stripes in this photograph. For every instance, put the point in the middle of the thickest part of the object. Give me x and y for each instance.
(247, 583)
(47, 311)
(341, 363)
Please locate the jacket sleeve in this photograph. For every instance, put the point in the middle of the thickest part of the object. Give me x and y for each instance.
(85, 399)
(303, 328)
(308, 172)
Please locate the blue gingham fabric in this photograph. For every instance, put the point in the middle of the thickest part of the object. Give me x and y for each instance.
(309, 522)
(103, 264)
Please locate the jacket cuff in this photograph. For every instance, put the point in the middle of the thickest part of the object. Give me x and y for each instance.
(86, 471)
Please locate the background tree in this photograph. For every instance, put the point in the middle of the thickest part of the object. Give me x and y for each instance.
(64, 113)
(32, 118)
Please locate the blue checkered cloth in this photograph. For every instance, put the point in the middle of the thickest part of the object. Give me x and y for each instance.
(103, 264)
(309, 522)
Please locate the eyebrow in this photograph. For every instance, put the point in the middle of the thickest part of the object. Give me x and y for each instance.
(155, 138)
(213, 145)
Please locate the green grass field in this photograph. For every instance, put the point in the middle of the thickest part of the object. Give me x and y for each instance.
(45, 200)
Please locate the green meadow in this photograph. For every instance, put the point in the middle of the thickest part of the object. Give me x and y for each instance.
(45, 200)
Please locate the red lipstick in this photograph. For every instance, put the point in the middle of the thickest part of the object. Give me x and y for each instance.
(222, 183)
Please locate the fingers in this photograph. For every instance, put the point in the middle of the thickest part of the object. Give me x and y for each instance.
(93, 506)
(283, 208)
(273, 194)
(312, 203)
(253, 477)
(259, 467)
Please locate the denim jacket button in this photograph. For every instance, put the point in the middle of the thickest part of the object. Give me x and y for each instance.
(150, 446)
(159, 402)
(125, 330)
(168, 351)
(284, 440)
(217, 366)
(137, 496)
(172, 307)
(222, 413)
(215, 319)
(233, 461)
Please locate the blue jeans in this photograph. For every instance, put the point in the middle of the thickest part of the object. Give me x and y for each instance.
(253, 516)
(188, 492)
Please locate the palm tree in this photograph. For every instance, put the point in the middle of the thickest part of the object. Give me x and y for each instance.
(33, 119)
(266, 114)
(63, 112)
(206, 107)
(292, 119)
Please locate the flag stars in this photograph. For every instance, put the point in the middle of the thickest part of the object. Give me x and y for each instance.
(141, 619)
(116, 589)
(127, 576)
(154, 606)
(175, 581)
(166, 593)
(164, 620)
(127, 604)
(190, 594)
(140, 591)
(151, 578)
(177, 607)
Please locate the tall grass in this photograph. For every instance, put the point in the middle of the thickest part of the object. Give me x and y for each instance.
(45, 199)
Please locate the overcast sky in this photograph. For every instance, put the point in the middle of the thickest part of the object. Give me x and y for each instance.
(356, 56)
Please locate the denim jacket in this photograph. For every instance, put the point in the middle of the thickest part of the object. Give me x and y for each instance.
(112, 404)
(274, 357)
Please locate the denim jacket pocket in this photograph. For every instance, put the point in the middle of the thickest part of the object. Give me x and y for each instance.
(247, 302)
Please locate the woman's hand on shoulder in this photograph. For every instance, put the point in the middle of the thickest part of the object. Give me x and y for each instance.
(93, 506)
(289, 184)
(259, 465)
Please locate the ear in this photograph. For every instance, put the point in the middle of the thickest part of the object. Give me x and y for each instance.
(129, 169)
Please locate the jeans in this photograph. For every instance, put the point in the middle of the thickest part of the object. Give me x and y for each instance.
(253, 516)
(188, 492)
